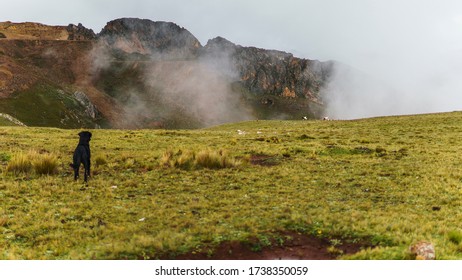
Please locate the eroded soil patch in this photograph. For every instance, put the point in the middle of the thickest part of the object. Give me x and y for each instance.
(297, 247)
(264, 160)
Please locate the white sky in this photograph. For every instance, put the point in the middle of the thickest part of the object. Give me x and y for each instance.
(406, 43)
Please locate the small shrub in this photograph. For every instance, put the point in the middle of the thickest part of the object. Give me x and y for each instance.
(5, 157)
(334, 250)
(129, 163)
(380, 151)
(361, 150)
(306, 137)
(274, 140)
(455, 237)
(100, 161)
(333, 150)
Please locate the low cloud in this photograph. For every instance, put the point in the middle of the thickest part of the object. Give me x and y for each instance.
(432, 85)
(171, 90)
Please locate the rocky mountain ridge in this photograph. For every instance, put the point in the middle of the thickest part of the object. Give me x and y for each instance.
(38, 31)
(141, 73)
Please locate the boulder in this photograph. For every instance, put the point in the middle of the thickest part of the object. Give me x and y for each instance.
(423, 250)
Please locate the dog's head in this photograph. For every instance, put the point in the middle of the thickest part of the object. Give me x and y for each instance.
(85, 136)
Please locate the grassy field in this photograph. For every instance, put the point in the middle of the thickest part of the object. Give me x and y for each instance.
(153, 193)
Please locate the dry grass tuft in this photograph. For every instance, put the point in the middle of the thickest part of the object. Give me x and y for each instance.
(196, 160)
(45, 164)
(19, 163)
(33, 162)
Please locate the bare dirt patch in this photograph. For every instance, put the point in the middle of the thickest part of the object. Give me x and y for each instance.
(297, 247)
(264, 160)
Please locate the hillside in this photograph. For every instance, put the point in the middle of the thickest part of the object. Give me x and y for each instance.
(377, 185)
(38, 31)
(144, 74)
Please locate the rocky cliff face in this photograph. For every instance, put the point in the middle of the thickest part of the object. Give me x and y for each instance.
(79, 33)
(140, 73)
(156, 39)
(272, 72)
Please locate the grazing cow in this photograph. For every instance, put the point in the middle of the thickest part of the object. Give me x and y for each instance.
(82, 155)
(305, 118)
(326, 119)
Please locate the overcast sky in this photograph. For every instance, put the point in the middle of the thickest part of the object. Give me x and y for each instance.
(414, 45)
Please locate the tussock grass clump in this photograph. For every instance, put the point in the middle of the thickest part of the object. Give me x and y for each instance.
(455, 237)
(19, 163)
(195, 160)
(185, 160)
(41, 164)
(100, 161)
(215, 160)
(46, 164)
(166, 158)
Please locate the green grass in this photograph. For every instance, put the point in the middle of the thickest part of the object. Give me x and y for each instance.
(5, 122)
(46, 105)
(391, 181)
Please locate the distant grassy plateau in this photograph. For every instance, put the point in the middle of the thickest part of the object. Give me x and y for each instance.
(382, 183)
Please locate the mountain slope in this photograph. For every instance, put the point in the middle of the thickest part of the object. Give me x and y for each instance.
(139, 73)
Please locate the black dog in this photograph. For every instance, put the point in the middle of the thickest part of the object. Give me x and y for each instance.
(82, 155)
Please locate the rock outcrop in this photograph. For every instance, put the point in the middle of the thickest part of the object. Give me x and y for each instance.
(32, 31)
(90, 108)
(272, 72)
(11, 119)
(38, 31)
(79, 33)
(156, 39)
(423, 250)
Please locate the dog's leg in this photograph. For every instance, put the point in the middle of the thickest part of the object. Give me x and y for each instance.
(76, 167)
(76, 171)
(86, 167)
(76, 161)
(85, 174)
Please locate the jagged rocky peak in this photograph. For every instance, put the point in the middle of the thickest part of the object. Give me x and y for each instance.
(218, 48)
(80, 32)
(155, 38)
(219, 42)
